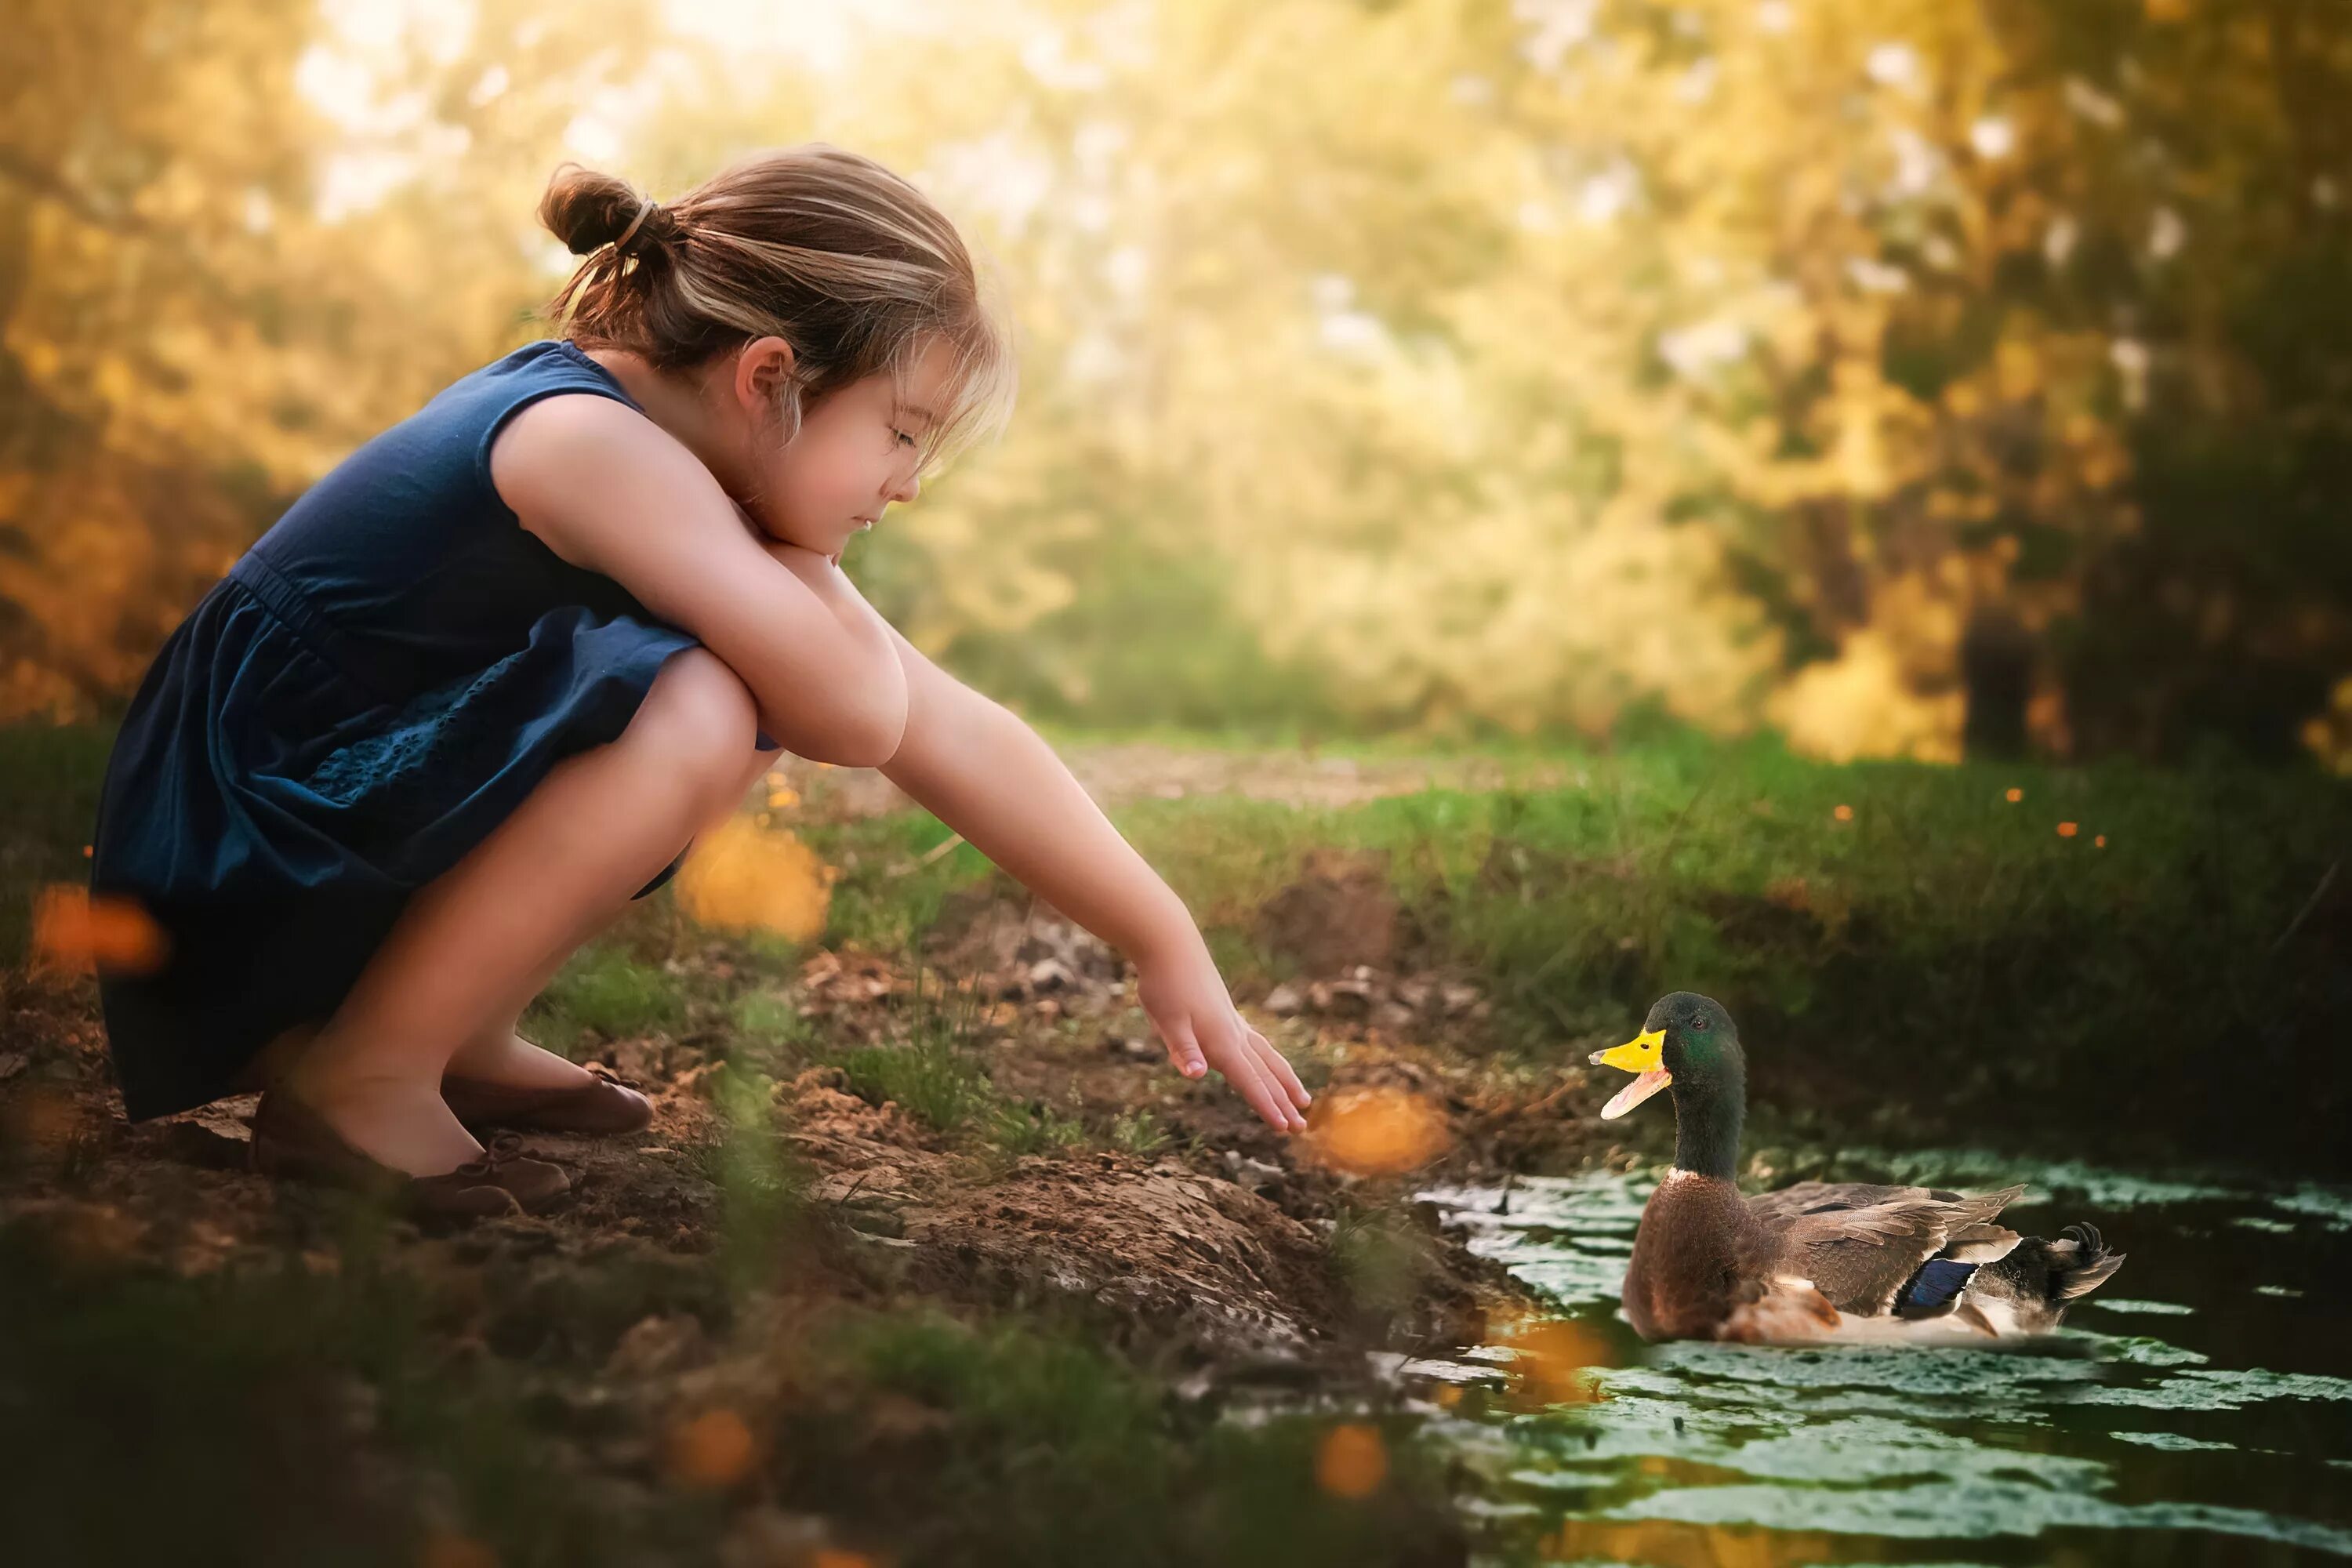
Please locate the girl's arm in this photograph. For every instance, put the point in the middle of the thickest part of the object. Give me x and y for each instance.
(978, 768)
(609, 490)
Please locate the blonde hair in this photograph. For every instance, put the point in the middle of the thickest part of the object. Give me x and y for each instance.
(826, 249)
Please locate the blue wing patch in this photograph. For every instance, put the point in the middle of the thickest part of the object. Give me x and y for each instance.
(1934, 1289)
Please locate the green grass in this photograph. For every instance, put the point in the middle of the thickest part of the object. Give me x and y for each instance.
(1138, 1132)
(603, 993)
(1051, 1452)
(762, 1186)
(274, 1414)
(930, 1078)
(770, 1020)
(1032, 1130)
(49, 777)
(1941, 950)
(1944, 948)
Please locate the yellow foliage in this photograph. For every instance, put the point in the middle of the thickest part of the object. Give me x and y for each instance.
(1860, 705)
(1511, 365)
(2329, 733)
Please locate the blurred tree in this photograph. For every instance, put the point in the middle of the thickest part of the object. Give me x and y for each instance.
(204, 307)
(2208, 161)
(1430, 362)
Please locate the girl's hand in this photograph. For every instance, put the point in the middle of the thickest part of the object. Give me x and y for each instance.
(1187, 1002)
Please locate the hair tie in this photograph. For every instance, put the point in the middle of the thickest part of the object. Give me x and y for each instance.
(621, 243)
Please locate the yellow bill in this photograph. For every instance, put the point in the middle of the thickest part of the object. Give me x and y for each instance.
(1642, 1055)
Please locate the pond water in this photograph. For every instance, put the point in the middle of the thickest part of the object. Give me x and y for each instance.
(2198, 1409)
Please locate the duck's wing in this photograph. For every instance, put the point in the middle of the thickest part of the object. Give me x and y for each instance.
(1878, 1250)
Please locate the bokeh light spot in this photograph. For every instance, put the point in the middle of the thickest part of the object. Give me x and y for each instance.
(1377, 1130)
(711, 1452)
(742, 878)
(1351, 1461)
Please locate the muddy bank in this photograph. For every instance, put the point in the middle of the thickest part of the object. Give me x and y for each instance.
(790, 1318)
(1160, 1248)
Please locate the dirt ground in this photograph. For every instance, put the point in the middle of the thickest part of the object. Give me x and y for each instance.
(1162, 1214)
(1217, 1237)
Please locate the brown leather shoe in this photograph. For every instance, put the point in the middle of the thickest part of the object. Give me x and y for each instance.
(607, 1103)
(290, 1139)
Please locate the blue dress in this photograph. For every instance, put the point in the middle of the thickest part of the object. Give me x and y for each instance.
(389, 671)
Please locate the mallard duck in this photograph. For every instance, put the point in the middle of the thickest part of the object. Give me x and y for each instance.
(1819, 1260)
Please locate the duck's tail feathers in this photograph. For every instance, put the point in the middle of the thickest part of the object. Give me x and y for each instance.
(2040, 1278)
(2079, 1263)
(1981, 1244)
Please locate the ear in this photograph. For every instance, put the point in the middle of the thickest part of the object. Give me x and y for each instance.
(764, 374)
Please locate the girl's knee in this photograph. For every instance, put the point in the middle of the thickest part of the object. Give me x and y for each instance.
(702, 715)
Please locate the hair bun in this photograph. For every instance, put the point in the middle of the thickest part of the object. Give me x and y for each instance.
(587, 210)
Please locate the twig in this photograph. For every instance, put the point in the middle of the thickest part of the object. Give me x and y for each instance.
(2327, 880)
(929, 857)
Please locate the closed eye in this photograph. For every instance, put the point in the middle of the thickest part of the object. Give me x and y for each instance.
(903, 436)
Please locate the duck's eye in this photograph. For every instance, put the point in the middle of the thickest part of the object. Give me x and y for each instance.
(1698, 1023)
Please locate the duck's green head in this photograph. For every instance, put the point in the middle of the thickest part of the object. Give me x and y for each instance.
(1687, 1040)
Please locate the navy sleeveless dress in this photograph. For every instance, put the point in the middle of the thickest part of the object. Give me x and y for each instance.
(376, 684)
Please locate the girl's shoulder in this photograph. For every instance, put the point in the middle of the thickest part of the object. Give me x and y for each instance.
(466, 418)
(423, 487)
(491, 397)
(548, 362)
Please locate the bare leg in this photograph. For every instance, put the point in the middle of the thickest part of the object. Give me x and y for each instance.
(499, 1053)
(475, 943)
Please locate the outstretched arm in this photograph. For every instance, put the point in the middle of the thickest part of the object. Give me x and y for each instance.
(978, 768)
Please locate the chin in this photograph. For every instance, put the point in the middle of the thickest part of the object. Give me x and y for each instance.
(801, 538)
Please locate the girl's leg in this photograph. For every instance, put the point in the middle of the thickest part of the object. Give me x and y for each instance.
(473, 944)
(497, 1054)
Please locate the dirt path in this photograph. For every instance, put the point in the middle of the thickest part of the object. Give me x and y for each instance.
(1116, 774)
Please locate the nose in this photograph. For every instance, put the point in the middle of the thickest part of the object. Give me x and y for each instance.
(907, 489)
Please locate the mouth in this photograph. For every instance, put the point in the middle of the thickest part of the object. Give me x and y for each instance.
(863, 523)
(1643, 1056)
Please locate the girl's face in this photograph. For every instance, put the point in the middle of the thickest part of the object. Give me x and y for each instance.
(856, 452)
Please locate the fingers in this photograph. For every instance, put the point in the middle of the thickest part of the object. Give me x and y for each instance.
(1251, 1082)
(1184, 1049)
(1255, 1082)
(1285, 1077)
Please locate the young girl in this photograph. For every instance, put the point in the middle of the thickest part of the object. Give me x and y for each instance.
(484, 681)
